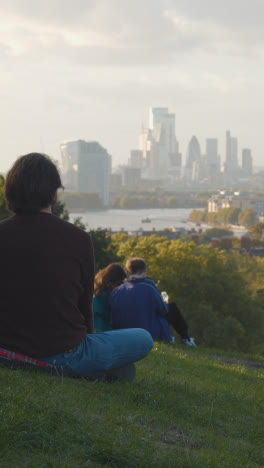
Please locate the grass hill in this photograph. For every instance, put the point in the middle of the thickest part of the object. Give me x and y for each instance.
(187, 408)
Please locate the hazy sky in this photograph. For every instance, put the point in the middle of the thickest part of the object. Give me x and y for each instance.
(92, 68)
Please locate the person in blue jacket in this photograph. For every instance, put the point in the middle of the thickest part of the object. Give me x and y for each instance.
(137, 302)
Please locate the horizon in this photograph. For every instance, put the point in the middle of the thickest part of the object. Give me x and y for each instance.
(90, 70)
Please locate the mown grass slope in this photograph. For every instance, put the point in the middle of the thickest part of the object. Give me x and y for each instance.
(185, 409)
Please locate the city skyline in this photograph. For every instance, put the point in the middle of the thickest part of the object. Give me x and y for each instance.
(90, 70)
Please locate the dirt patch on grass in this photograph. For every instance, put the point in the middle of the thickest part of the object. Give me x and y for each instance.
(233, 361)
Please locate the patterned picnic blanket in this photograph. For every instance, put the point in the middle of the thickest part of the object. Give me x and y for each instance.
(17, 357)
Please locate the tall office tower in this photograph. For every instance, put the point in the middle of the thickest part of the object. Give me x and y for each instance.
(163, 123)
(145, 140)
(231, 153)
(212, 159)
(159, 145)
(247, 161)
(193, 156)
(69, 157)
(92, 165)
(211, 151)
(136, 159)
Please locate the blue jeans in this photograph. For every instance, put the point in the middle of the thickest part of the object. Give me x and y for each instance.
(100, 352)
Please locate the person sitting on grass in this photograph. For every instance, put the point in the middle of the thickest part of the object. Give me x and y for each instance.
(138, 303)
(47, 283)
(105, 281)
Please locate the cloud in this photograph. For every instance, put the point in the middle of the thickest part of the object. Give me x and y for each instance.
(121, 32)
(93, 67)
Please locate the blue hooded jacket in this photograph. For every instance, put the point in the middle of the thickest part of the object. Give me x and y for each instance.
(137, 303)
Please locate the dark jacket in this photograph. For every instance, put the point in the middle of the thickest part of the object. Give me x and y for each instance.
(46, 285)
(137, 303)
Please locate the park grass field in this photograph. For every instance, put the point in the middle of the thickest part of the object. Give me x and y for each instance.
(186, 408)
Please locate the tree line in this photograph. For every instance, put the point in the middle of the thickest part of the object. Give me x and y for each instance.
(220, 294)
(131, 200)
(230, 215)
(151, 201)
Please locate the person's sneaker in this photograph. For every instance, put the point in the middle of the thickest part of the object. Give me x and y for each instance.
(126, 372)
(189, 342)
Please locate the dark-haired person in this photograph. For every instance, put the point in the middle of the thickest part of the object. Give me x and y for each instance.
(105, 281)
(47, 282)
(138, 303)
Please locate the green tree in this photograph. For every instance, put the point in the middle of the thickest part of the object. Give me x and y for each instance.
(247, 217)
(172, 202)
(211, 218)
(208, 286)
(127, 202)
(198, 215)
(105, 251)
(206, 236)
(81, 201)
(232, 215)
(257, 232)
(79, 223)
(60, 210)
(4, 212)
(228, 215)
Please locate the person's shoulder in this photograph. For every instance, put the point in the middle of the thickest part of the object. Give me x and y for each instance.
(150, 281)
(142, 282)
(102, 296)
(119, 290)
(68, 227)
(5, 223)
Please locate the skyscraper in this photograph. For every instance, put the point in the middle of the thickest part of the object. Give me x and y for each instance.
(136, 159)
(160, 121)
(212, 160)
(159, 145)
(193, 156)
(231, 153)
(87, 165)
(211, 151)
(247, 162)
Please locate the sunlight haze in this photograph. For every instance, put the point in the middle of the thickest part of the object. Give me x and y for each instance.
(92, 69)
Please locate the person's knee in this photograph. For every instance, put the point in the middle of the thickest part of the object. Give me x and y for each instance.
(145, 337)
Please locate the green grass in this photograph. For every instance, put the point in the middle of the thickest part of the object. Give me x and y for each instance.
(183, 410)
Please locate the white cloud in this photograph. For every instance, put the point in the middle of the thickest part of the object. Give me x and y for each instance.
(94, 67)
(123, 32)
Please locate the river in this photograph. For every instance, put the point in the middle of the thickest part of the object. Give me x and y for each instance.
(131, 220)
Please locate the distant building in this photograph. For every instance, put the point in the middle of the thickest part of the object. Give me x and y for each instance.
(86, 168)
(159, 147)
(131, 177)
(193, 159)
(212, 160)
(247, 162)
(161, 122)
(236, 200)
(69, 157)
(136, 159)
(211, 151)
(231, 163)
(116, 180)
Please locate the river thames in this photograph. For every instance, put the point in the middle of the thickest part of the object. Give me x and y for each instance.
(131, 220)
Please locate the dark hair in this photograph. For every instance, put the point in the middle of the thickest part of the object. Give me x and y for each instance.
(135, 265)
(31, 183)
(109, 278)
